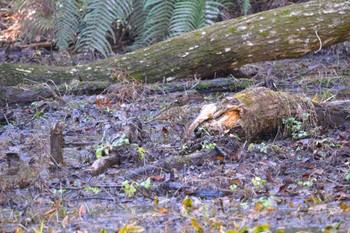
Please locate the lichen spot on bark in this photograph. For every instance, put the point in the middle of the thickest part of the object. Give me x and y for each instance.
(194, 47)
(245, 36)
(72, 71)
(185, 55)
(23, 70)
(250, 44)
(242, 28)
(308, 14)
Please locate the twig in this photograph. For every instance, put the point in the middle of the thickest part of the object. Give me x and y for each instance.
(319, 39)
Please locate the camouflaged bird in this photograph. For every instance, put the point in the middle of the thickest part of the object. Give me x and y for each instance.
(174, 113)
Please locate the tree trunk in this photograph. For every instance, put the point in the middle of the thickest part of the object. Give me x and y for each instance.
(287, 32)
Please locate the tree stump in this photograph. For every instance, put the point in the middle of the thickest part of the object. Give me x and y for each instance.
(56, 144)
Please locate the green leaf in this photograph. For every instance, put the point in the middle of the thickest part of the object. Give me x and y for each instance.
(99, 151)
(147, 183)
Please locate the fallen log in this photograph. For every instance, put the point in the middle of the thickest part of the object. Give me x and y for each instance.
(194, 159)
(259, 111)
(287, 32)
(29, 94)
(195, 191)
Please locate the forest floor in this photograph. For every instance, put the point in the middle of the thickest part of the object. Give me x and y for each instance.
(299, 184)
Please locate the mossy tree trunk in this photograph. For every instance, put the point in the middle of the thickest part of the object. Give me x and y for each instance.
(287, 32)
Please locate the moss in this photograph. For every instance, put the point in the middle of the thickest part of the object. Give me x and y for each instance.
(245, 98)
(244, 83)
(204, 85)
(197, 33)
(293, 19)
(286, 12)
(264, 34)
(138, 77)
(233, 29)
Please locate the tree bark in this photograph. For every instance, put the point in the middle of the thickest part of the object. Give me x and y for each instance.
(287, 32)
(56, 144)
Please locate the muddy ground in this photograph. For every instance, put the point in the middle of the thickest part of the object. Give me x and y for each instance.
(299, 183)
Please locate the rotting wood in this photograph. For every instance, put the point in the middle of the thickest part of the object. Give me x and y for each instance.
(260, 111)
(102, 164)
(286, 32)
(194, 159)
(56, 144)
(195, 191)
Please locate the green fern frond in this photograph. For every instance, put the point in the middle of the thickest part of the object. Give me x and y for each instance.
(246, 5)
(243, 5)
(66, 23)
(191, 15)
(35, 17)
(37, 24)
(98, 24)
(137, 24)
(158, 19)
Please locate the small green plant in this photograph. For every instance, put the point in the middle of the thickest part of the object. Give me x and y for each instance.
(251, 147)
(295, 127)
(141, 151)
(128, 188)
(95, 190)
(206, 145)
(307, 183)
(266, 202)
(61, 191)
(233, 187)
(147, 183)
(258, 182)
(262, 148)
(38, 113)
(276, 147)
(121, 141)
(104, 148)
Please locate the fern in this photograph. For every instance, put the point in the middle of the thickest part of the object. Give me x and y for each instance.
(158, 19)
(191, 15)
(246, 5)
(137, 23)
(98, 24)
(35, 17)
(92, 22)
(66, 23)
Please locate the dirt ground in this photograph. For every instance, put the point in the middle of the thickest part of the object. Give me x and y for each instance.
(296, 184)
